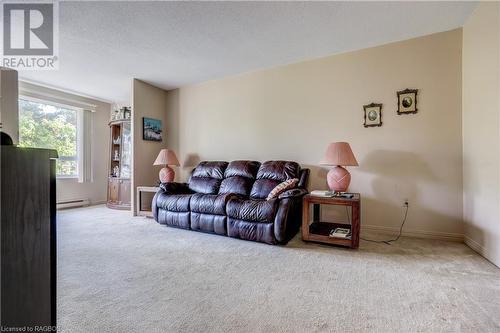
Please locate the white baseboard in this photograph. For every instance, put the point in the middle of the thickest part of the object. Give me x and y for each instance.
(481, 250)
(448, 236)
(76, 203)
(474, 245)
(73, 203)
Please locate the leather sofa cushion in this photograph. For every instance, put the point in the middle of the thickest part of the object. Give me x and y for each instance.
(174, 202)
(174, 219)
(239, 177)
(207, 177)
(209, 223)
(210, 169)
(258, 232)
(237, 185)
(247, 169)
(262, 187)
(204, 185)
(209, 203)
(270, 174)
(252, 210)
(278, 170)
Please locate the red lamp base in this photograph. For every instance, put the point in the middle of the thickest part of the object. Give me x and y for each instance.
(167, 174)
(338, 179)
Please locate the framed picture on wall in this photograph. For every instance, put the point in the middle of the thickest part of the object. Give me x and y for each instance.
(373, 115)
(407, 101)
(151, 129)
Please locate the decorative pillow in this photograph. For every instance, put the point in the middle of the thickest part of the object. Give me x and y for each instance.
(282, 187)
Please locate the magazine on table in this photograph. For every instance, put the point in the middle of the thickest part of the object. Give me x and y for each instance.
(331, 194)
(341, 233)
(326, 194)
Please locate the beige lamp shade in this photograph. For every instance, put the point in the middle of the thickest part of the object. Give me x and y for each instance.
(166, 157)
(339, 153)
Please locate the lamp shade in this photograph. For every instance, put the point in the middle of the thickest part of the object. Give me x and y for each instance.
(339, 153)
(166, 157)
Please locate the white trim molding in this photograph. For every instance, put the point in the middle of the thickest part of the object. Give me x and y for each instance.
(55, 99)
(480, 249)
(73, 203)
(427, 234)
(474, 245)
(66, 91)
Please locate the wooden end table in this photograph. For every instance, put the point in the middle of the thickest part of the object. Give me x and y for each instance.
(319, 231)
(140, 189)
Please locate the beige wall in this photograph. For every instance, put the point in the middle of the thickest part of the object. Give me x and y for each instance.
(147, 101)
(71, 189)
(9, 115)
(481, 130)
(293, 112)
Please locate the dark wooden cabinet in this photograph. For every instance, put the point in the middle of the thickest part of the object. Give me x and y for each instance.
(28, 227)
(119, 194)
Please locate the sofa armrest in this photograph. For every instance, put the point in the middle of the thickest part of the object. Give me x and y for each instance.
(288, 218)
(154, 206)
(304, 178)
(293, 193)
(281, 219)
(175, 188)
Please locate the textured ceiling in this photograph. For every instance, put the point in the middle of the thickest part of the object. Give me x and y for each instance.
(170, 44)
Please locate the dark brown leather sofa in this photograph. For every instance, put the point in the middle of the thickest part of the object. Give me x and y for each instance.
(230, 199)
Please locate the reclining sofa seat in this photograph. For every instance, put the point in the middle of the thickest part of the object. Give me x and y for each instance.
(230, 199)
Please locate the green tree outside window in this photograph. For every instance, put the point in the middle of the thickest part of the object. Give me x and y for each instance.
(53, 127)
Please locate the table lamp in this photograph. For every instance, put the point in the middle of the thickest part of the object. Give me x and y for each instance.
(339, 154)
(166, 157)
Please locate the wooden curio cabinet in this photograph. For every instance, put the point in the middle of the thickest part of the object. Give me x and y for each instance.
(119, 192)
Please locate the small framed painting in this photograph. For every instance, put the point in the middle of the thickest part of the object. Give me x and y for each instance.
(373, 115)
(151, 129)
(407, 101)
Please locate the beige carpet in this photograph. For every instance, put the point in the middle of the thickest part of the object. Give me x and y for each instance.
(122, 274)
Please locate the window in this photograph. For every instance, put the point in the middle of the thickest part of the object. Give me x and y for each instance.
(49, 125)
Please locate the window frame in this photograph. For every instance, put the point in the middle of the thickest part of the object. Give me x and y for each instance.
(79, 131)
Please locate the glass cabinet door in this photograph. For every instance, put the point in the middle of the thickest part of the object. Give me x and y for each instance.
(126, 153)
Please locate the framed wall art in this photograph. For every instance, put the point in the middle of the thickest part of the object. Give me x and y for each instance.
(407, 101)
(151, 129)
(373, 115)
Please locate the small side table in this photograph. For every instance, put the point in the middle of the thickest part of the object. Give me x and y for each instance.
(138, 207)
(319, 231)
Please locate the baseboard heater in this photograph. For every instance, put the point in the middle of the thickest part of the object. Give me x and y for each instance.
(73, 203)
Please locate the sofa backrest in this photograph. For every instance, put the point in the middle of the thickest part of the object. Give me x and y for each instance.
(246, 178)
(239, 177)
(270, 174)
(207, 177)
